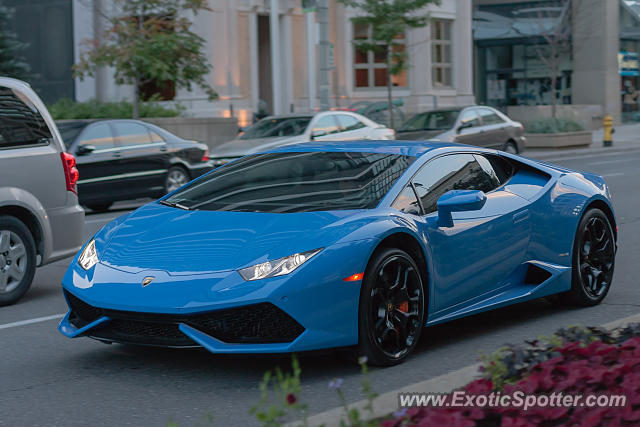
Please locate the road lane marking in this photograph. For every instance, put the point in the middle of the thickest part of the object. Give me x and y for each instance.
(30, 321)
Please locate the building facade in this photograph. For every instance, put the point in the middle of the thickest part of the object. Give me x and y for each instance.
(510, 71)
(239, 38)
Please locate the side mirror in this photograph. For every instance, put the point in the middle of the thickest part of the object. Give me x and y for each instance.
(465, 125)
(85, 149)
(458, 201)
(318, 132)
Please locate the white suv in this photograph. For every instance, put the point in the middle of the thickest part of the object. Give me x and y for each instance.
(40, 219)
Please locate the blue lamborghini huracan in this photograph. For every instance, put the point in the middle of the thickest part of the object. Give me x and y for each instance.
(349, 244)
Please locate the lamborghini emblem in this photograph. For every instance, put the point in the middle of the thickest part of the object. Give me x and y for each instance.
(147, 280)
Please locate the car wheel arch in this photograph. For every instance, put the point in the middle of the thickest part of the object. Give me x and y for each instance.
(604, 207)
(30, 220)
(407, 242)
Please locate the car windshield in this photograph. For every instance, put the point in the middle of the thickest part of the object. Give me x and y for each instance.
(295, 182)
(276, 127)
(70, 131)
(434, 120)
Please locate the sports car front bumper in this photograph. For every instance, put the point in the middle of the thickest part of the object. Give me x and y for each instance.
(310, 309)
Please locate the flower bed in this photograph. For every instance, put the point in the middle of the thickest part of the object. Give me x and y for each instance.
(575, 361)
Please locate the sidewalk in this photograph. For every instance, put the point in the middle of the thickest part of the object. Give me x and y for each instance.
(626, 137)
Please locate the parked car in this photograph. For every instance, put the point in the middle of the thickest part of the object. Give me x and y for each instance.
(40, 219)
(343, 244)
(128, 159)
(476, 125)
(275, 131)
(378, 111)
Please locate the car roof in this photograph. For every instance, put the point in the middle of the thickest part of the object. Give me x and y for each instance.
(408, 148)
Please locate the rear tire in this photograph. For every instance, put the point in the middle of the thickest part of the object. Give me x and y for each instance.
(392, 308)
(99, 207)
(176, 178)
(17, 259)
(594, 249)
(510, 147)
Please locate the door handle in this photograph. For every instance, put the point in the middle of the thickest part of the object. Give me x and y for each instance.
(521, 216)
(117, 154)
(163, 148)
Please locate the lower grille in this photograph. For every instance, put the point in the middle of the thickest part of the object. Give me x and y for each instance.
(257, 323)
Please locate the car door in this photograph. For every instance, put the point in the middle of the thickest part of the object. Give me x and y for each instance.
(351, 128)
(495, 128)
(478, 254)
(144, 160)
(469, 128)
(96, 154)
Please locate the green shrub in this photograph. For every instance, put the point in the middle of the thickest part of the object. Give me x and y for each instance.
(552, 125)
(67, 108)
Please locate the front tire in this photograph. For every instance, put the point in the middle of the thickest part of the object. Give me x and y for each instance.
(17, 259)
(392, 308)
(594, 250)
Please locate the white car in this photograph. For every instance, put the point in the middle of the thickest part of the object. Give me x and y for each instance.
(275, 131)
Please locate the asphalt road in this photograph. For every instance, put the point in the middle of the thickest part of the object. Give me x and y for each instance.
(47, 379)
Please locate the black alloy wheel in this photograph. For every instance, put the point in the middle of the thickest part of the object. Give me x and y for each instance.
(593, 259)
(392, 308)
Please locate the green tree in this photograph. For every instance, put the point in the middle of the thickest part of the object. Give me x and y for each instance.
(150, 41)
(11, 62)
(389, 20)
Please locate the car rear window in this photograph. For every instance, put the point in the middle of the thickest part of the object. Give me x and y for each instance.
(20, 121)
(296, 182)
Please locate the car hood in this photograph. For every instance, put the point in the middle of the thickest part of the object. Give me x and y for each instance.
(242, 147)
(159, 237)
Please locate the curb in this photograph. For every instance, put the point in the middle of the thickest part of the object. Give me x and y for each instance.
(387, 402)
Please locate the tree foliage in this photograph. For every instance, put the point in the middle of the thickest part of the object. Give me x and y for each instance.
(11, 62)
(150, 40)
(389, 20)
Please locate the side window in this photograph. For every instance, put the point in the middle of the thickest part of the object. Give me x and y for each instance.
(326, 124)
(20, 121)
(446, 173)
(348, 123)
(470, 118)
(502, 169)
(98, 135)
(489, 117)
(132, 134)
(407, 201)
(155, 137)
(417, 122)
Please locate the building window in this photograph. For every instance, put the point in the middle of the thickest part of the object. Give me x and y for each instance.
(370, 68)
(441, 53)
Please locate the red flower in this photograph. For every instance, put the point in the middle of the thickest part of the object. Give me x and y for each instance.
(291, 399)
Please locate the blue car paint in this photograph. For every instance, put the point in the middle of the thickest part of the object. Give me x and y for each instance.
(478, 264)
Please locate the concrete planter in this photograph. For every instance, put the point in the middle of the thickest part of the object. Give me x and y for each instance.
(558, 140)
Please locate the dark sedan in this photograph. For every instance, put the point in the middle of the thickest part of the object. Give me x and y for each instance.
(475, 125)
(129, 159)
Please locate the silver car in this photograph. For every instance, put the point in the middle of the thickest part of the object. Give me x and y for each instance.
(476, 125)
(40, 219)
(275, 131)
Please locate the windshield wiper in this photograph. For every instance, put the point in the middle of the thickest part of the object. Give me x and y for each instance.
(175, 205)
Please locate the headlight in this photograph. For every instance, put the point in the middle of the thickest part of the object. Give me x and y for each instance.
(277, 267)
(89, 257)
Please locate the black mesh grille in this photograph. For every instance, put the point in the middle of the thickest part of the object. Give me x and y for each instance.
(258, 323)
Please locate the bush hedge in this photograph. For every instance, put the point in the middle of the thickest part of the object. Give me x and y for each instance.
(552, 125)
(67, 108)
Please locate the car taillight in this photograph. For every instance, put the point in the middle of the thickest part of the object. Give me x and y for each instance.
(71, 174)
(205, 156)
